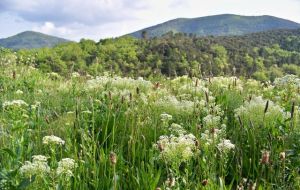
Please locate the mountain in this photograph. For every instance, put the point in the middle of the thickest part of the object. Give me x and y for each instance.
(218, 25)
(29, 40)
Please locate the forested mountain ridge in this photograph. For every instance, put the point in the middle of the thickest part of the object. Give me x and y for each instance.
(263, 56)
(29, 40)
(218, 25)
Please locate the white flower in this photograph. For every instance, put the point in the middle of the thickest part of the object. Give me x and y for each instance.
(211, 121)
(75, 75)
(66, 167)
(19, 92)
(290, 81)
(35, 105)
(16, 103)
(38, 166)
(177, 129)
(256, 112)
(171, 103)
(175, 149)
(39, 158)
(165, 117)
(225, 145)
(53, 140)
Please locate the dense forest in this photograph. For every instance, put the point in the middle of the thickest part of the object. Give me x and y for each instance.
(262, 56)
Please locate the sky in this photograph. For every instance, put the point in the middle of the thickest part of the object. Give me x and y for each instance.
(98, 19)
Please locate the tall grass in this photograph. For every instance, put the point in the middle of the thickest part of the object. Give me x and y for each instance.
(111, 132)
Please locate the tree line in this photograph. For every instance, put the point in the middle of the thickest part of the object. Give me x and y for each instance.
(263, 56)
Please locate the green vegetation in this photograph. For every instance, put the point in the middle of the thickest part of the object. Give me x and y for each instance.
(218, 25)
(110, 132)
(262, 56)
(153, 114)
(29, 40)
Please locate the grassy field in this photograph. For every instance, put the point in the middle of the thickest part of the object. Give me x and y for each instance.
(109, 132)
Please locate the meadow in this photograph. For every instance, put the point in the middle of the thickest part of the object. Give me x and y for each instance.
(111, 132)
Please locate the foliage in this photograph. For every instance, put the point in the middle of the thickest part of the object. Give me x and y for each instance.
(29, 39)
(217, 25)
(111, 132)
(262, 56)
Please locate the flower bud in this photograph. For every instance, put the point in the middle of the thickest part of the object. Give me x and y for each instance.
(113, 158)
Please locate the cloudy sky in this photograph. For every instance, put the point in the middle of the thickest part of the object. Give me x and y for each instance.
(96, 19)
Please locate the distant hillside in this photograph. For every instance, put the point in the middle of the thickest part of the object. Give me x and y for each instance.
(29, 40)
(219, 25)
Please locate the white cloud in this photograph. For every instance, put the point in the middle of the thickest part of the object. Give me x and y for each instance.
(75, 19)
(50, 28)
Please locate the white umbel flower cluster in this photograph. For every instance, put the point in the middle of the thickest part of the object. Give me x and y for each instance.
(288, 81)
(38, 166)
(175, 149)
(211, 121)
(177, 129)
(53, 140)
(172, 104)
(226, 82)
(119, 83)
(19, 92)
(225, 145)
(14, 103)
(258, 111)
(165, 117)
(66, 167)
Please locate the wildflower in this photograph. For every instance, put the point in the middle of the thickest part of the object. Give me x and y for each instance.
(113, 158)
(176, 149)
(282, 156)
(54, 75)
(39, 158)
(75, 75)
(52, 140)
(170, 182)
(211, 121)
(252, 186)
(204, 182)
(288, 81)
(172, 104)
(66, 167)
(258, 111)
(177, 129)
(16, 103)
(265, 158)
(225, 145)
(19, 92)
(38, 166)
(165, 117)
(35, 105)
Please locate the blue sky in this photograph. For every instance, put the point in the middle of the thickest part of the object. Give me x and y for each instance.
(96, 19)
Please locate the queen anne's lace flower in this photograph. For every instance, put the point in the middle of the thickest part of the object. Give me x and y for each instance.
(16, 103)
(19, 92)
(176, 149)
(225, 145)
(177, 129)
(53, 140)
(259, 111)
(165, 117)
(288, 81)
(66, 167)
(38, 166)
(211, 121)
